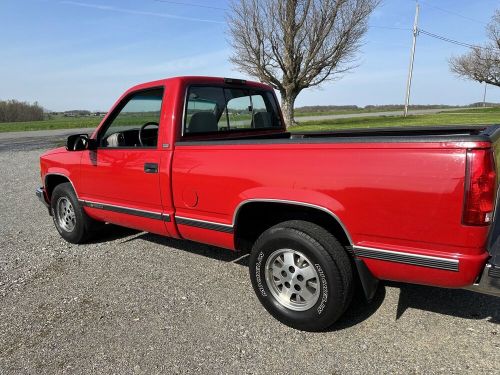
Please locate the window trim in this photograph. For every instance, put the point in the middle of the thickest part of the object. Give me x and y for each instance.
(185, 136)
(116, 111)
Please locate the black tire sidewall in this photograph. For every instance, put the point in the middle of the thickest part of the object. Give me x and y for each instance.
(78, 233)
(330, 304)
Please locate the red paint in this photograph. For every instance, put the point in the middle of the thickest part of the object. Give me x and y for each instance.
(405, 197)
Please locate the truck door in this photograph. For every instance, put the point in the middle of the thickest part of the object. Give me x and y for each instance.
(121, 177)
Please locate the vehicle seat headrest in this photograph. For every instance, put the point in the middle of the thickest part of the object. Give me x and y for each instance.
(202, 122)
(262, 120)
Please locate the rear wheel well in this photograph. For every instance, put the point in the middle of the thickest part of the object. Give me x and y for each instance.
(254, 218)
(52, 180)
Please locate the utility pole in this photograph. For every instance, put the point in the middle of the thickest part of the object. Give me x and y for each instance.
(484, 95)
(412, 59)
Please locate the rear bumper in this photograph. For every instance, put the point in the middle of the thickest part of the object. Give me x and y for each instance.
(489, 283)
(40, 193)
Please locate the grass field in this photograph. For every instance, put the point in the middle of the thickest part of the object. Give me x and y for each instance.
(61, 122)
(341, 112)
(458, 117)
(304, 111)
(56, 123)
(485, 116)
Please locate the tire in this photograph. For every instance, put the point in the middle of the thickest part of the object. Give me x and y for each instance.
(70, 220)
(302, 275)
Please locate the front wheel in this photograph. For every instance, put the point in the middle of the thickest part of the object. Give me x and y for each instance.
(70, 220)
(302, 275)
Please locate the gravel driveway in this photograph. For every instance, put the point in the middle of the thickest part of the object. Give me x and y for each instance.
(134, 302)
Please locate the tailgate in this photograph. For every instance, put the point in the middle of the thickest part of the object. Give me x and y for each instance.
(494, 240)
(494, 236)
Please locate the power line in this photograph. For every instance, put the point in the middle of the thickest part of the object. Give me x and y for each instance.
(190, 4)
(445, 39)
(453, 41)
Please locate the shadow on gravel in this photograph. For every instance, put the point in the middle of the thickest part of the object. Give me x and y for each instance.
(360, 310)
(111, 232)
(213, 252)
(453, 302)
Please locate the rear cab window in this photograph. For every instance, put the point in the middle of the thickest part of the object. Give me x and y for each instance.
(215, 110)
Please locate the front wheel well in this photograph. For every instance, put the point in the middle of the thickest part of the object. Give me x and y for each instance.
(254, 218)
(51, 181)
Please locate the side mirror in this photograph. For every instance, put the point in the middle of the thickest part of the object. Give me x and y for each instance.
(79, 142)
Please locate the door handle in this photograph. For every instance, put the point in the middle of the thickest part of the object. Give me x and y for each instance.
(151, 167)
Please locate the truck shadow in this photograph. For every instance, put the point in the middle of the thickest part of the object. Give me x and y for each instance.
(208, 251)
(452, 302)
(112, 232)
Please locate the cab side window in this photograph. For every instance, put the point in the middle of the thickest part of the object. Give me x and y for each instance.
(136, 121)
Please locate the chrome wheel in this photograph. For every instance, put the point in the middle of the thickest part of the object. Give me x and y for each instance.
(65, 212)
(292, 279)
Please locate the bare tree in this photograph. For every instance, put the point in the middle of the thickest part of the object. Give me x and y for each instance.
(482, 64)
(296, 44)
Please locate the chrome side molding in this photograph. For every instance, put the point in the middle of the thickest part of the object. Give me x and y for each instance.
(407, 258)
(210, 225)
(126, 210)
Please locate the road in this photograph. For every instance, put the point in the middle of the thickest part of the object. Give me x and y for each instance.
(135, 303)
(37, 139)
(31, 140)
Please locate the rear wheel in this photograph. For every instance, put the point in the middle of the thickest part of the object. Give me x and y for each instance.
(70, 220)
(302, 275)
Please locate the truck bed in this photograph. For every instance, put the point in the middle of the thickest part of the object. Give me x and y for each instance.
(426, 131)
(449, 133)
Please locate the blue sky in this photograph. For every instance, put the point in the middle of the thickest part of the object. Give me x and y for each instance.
(82, 54)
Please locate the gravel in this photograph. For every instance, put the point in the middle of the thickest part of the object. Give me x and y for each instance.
(132, 302)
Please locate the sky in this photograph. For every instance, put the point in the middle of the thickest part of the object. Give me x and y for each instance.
(82, 54)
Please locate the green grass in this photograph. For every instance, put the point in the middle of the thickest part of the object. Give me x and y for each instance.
(477, 110)
(485, 116)
(61, 122)
(299, 114)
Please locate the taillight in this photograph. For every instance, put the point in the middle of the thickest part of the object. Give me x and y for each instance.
(480, 183)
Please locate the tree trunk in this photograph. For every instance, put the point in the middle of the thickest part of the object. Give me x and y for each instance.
(287, 107)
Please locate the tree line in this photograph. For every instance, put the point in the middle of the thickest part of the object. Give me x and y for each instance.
(14, 111)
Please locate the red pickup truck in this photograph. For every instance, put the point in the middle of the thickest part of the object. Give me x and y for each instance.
(210, 160)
